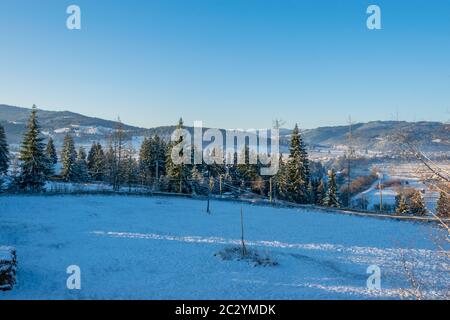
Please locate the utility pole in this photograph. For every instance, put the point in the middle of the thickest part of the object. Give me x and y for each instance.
(380, 187)
(208, 210)
(270, 189)
(349, 155)
(277, 124)
(220, 184)
(244, 250)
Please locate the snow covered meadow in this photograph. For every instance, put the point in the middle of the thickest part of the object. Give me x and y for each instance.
(166, 248)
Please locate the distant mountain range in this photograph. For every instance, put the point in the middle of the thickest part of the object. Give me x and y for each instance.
(374, 135)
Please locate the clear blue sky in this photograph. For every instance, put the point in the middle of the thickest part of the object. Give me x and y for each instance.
(230, 63)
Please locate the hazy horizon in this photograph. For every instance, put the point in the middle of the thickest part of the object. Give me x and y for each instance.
(207, 126)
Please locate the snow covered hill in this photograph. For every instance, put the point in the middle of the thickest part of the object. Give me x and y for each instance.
(374, 135)
(158, 247)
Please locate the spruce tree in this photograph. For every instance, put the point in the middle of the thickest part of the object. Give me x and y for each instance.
(278, 177)
(232, 173)
(158, 150)
(332, 199)
(304, 160)
(443, 205)
(417, 204)
(177, 174)
(90, 159)
(152, 159)
(247, 172)
(50, 152)
(69, 170)
(297, 173)
(281, 181)
(110, 165)
(81, 163)
(52, 159)
(216, 169)
(34, 163)
(4, 152)
(96, 162)
(145, 161)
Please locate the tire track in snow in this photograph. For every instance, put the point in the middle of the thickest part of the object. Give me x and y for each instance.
(272, 244)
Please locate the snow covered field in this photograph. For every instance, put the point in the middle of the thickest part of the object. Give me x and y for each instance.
(164, 248)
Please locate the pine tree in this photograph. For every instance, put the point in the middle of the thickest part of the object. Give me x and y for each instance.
(417, 204)
(145, 161)
(278, 178)
(50, 151)
(158, 150)
(177, 174)
(214, 169)
(34, 164)
(304, 160)
(401, 206)
(51, 157)
(69, 170)
(231, 177)
(297, 173)
(82, 168)
(443, 205)
(332, 199)
(247, 172)
(281, 180)
(96, 162)
(110, 164)
(4, 152)
(152, 159)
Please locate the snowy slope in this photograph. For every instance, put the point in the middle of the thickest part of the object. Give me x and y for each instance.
(151, 248)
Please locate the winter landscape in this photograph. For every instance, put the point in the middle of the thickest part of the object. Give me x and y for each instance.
(130, 167)
(139, 226)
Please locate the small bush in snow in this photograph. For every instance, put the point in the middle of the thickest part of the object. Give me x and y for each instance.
(8, 268)
(252, 256)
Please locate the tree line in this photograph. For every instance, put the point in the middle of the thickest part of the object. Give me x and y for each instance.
(298, 180)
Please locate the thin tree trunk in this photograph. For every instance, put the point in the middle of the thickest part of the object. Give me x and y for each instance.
(244, 249)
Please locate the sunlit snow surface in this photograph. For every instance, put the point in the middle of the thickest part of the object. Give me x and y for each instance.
(164, 248)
